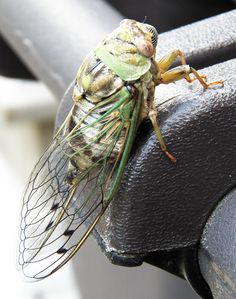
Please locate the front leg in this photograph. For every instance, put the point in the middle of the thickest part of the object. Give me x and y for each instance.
(183, 71)
(168, 75)
(166, 61)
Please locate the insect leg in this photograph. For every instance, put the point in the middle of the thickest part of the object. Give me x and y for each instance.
(153, 117)
(166, 61)
(184, 71)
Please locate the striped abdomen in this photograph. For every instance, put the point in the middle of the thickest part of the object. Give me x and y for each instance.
(95, 82)
(92, 144)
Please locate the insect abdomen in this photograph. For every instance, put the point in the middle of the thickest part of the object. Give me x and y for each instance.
(91, 152)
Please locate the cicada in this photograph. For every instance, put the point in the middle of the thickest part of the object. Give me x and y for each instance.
(79, 174)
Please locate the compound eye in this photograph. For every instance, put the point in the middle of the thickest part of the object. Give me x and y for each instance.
(154, 34)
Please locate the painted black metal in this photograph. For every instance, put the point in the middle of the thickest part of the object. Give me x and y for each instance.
(217, 249)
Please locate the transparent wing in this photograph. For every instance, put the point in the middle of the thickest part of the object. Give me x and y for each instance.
(54, 209)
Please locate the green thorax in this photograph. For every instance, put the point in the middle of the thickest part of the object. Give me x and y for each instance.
(122, 56)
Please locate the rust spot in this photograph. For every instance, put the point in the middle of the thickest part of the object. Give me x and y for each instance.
(88, 152)
(80, 138)
(72, 124)
(78, 141)
(95, 159)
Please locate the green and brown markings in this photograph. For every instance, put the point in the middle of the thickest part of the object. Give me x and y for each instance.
(80, 172)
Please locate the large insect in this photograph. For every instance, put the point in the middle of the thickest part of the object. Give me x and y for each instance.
(79, 174)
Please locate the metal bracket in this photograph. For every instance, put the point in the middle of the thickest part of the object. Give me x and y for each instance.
(161, 209)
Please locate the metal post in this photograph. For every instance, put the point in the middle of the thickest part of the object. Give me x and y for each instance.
(52, 37)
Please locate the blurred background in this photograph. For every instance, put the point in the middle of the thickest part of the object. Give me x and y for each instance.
(27, 113)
